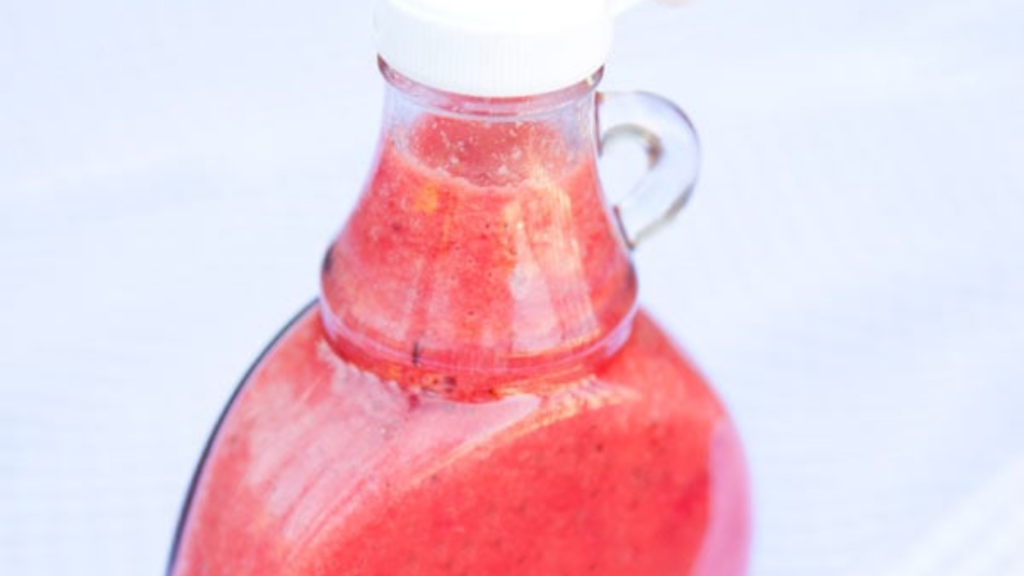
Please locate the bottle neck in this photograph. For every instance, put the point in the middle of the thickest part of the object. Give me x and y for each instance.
(486, 141)
(481, 257)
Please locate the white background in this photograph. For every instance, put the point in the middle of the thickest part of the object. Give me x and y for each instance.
(850, 273)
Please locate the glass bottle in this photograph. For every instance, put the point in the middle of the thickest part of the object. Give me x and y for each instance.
(476, 390)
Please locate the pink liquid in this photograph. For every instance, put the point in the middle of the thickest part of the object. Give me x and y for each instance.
(475, 394)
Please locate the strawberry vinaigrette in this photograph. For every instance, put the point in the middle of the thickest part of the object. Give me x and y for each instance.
(476, 391)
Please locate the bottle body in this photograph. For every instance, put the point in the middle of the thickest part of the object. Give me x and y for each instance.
(475, 391)
(320, 468)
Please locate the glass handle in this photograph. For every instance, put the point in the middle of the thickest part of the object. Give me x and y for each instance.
(673, 158)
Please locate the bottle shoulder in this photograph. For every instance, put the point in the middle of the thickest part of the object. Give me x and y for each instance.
(648, 363)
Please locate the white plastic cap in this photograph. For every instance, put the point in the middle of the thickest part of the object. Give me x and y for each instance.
(496, 48)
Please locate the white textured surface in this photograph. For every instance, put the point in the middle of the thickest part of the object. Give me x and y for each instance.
(850, 273)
